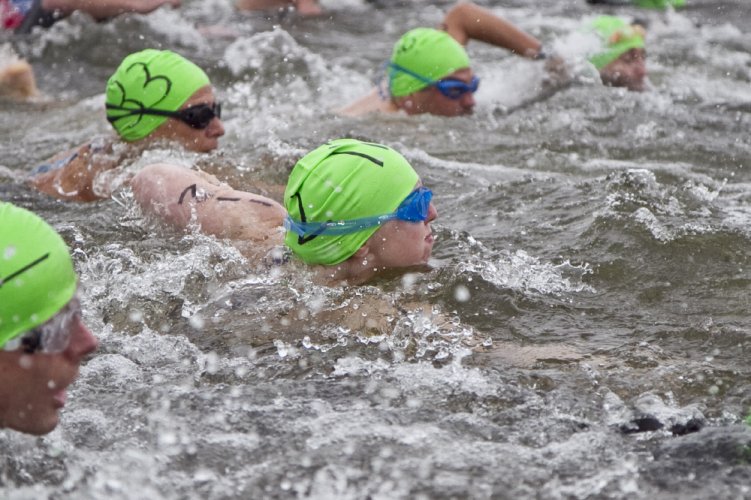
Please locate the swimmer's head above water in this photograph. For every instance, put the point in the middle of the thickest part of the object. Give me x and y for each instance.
(622, 59)
(357, 200)
(42, 337)
(429, 72)
(161, 95)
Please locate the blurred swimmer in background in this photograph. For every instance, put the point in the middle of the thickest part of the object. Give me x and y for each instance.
(17, 79)
(621, 59)
(430, 71)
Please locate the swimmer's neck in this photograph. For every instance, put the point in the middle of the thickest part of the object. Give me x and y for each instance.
(357, 271)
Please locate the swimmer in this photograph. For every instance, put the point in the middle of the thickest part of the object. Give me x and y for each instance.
(302, 7)
(153, 96)
(429, 70)
(43, 339)
(352, 209)
(20, 16)
(622, 58)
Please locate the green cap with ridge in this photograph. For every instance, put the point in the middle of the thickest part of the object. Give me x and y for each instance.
(37, 278)
(156, 79)
(430, 53)
(342, 180)
(618, 37)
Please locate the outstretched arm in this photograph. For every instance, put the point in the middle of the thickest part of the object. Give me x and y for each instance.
(104, 9)
(467, 21)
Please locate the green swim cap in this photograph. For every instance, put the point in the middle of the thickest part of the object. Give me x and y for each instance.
(342, 180)
(618, 37)
(158, 79)
(659, 4)
(36, 272)
(427, 52)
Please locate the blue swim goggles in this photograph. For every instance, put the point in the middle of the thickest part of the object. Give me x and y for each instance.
(450, 87)
(414, 208)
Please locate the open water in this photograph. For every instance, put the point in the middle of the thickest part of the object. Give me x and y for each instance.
(590, 281)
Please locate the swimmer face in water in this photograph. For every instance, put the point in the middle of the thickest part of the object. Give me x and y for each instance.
(200, 140)
(629, 70)
(432, 100)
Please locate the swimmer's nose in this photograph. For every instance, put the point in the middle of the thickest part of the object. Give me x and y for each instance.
(468, 101)
(82, 341)
(432, 213)
(216, 128)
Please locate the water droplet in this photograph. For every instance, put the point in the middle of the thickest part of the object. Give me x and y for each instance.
(461, 293)
(9, 252)
(196, 322)
(135, 315)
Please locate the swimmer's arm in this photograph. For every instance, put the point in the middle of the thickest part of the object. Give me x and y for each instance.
(467, 21)
(182, 197)
(104, 9)
(74, 181)
(303, 7)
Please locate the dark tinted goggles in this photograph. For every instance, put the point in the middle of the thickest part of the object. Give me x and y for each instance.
(198, 116)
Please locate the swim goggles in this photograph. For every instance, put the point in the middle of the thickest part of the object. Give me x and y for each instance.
(414, 208)
(50, 337)
(198, 116)
(449, 87)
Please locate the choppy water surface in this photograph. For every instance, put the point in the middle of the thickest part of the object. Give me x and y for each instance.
(584, 332)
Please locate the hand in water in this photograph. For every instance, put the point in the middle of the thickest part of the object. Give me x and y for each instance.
(557, 71)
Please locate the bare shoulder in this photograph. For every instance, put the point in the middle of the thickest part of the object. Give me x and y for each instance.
(182, 197)
(71, 174)
(370, 103)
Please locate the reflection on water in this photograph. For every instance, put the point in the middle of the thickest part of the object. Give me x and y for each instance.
(585, 316)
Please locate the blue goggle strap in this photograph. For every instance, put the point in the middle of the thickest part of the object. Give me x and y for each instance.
(393, 68)
(334, 228)
(414, 208)
(444, 86)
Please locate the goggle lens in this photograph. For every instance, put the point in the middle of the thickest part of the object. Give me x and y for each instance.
(52, 336)
(200, 116)
(416, 206)
(455, 89)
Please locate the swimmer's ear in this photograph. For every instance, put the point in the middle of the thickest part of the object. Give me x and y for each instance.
(363, 251)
